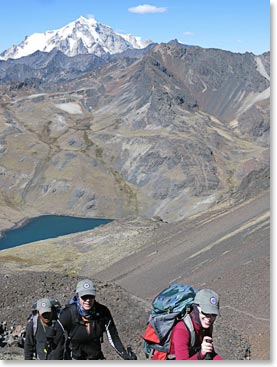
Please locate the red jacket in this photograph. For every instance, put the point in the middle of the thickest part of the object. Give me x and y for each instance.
(180, 339)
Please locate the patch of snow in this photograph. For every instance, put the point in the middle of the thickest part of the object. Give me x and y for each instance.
(70, 107)
(135, 41)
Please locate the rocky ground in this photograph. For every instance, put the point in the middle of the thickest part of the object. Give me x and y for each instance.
(122, 253)
(21, 291)
(129, 312)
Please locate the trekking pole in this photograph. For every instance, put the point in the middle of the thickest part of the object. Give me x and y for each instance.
(208, 357)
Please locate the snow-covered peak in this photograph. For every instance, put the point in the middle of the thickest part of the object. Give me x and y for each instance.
(137, 42)
(90, 20)
(83, 36)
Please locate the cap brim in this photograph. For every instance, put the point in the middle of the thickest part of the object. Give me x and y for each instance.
(44, 310)
(87, 293)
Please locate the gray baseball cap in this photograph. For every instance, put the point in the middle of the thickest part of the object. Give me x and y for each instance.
(44, 305)
(85, 287)
(208, 301)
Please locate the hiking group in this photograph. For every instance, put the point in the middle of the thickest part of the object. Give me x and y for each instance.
(180, 326)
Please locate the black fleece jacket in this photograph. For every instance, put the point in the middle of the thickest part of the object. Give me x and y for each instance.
(38, 346)
(86, 335)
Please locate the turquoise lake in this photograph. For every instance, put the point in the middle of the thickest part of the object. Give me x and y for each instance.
(47, 226)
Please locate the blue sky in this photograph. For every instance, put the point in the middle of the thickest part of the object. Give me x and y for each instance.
(234, 25)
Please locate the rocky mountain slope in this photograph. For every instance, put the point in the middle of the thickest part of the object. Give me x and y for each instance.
(169, 133)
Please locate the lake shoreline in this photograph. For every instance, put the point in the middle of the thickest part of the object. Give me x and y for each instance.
(24, 222)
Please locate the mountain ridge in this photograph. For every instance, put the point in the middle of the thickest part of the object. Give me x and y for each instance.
(135, 136)
(82, 36)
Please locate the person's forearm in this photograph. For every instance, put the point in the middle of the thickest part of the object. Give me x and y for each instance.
(114, 340)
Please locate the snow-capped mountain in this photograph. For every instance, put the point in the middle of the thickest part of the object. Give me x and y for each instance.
(83, 36)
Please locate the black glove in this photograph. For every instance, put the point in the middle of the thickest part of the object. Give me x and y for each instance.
(130, 355)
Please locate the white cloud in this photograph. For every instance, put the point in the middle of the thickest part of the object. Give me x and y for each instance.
(146, 9)
(188, 34)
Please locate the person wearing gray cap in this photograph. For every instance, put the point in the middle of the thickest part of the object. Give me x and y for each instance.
(85, 320)
(203, 314)
(40, 331)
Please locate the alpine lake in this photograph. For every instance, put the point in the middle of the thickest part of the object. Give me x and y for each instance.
(47, 226)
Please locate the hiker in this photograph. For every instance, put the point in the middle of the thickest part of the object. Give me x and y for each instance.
(83, 321)
(40, 331)
(204, 311)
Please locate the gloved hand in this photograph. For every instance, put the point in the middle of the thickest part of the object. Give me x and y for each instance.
(130, 355)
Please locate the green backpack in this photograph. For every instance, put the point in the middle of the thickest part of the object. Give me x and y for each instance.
(170, 306)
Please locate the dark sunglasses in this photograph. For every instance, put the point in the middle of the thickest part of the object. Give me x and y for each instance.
(208, 315)
(86, 296)
(46, 315)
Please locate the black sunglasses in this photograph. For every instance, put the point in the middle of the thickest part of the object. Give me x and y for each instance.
(208, 314)
(86, 296)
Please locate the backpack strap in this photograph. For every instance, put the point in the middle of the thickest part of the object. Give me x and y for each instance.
(74, 317)
(188, 323)
(150, 355)
(74, 321)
